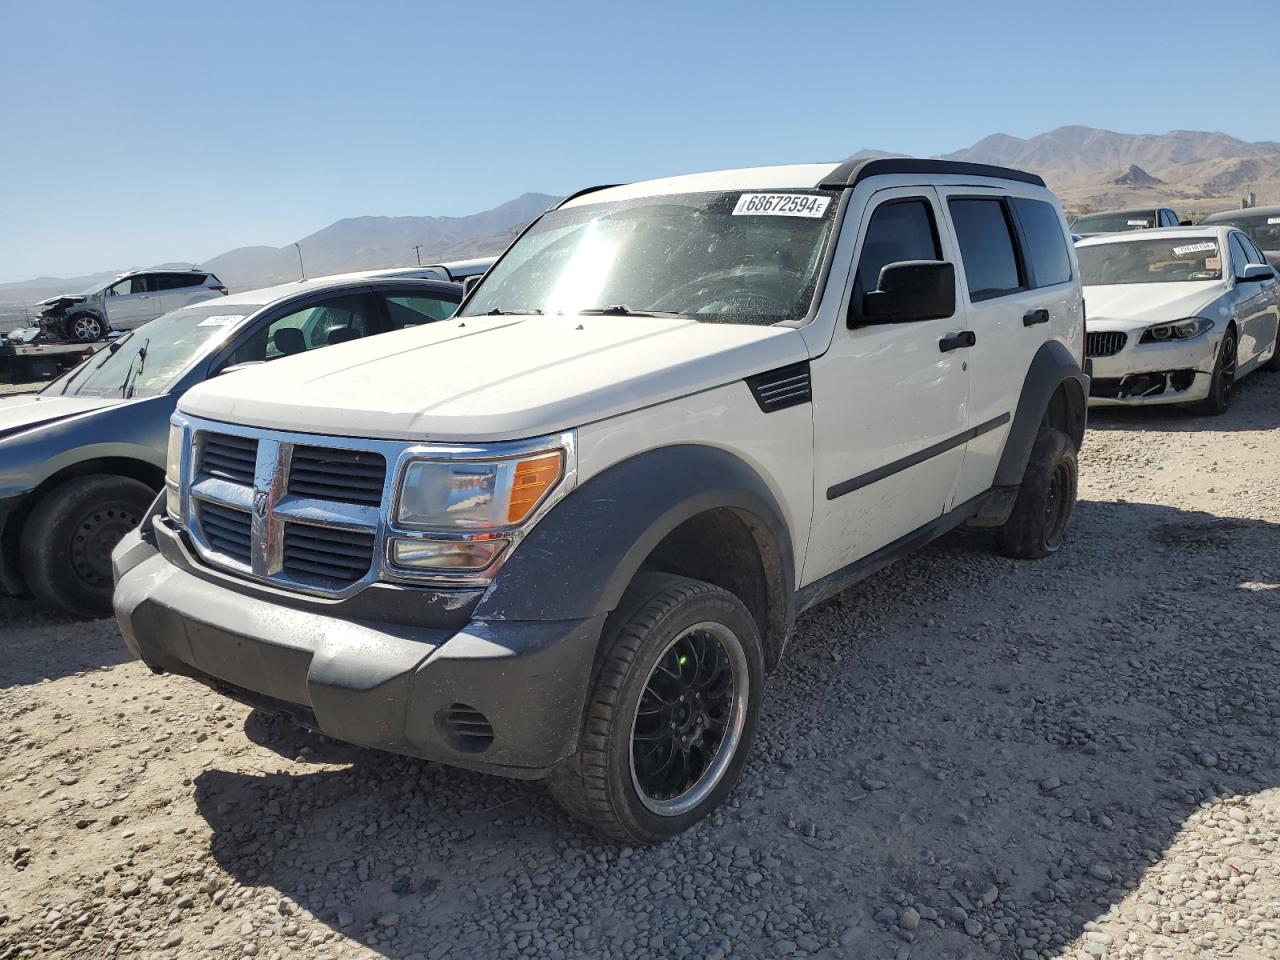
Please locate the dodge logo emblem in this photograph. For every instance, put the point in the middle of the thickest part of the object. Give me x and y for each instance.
(260, 503)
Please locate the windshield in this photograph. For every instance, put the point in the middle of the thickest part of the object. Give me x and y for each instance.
(1115, 222)
(90, 291)
(1263, 229)
(1167, 260)
(722, 257)
(147, 361)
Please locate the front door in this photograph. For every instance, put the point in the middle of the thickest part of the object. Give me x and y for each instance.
(889, 403)
(128, 303)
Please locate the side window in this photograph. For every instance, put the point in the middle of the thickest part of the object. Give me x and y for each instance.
(125, 287)
(899, 230)
(178, 281)
(1167, 219)
(986, 247)
(411, 310)
(318, 325)
(1046, 245)
(1238, 257)
(1251, 248)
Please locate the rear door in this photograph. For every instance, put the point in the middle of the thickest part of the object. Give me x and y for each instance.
(1009, 316)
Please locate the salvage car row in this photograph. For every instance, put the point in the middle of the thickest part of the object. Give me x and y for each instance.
(564, 532)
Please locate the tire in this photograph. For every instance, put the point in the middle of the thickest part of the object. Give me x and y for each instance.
(621, 786)
(1042, 510)
(67, 541)
(85, 328)
(1274, 363)
(1222, 384)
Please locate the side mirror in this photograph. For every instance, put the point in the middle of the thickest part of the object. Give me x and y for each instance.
(1255, 272)
(470, 283)
(1185, 223)
(909, 290)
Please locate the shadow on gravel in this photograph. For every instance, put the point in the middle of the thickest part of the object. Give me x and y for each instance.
(44, 645)
(1256, 406)
(965, 756)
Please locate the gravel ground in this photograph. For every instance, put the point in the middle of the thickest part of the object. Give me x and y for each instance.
(965, 756)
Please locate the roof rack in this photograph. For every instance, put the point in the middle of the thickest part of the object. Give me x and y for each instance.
(852, 172)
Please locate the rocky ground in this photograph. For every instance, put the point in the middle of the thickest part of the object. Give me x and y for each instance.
(966, 756)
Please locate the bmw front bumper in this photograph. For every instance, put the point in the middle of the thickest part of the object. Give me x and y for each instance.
(1141, 374)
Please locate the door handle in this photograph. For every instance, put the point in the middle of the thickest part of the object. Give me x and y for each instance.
(954, 341)
(1032, 317)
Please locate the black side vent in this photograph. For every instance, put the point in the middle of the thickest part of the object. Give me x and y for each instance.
(466, 728)
(782, 388)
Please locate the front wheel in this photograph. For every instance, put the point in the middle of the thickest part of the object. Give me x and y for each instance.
(672, 711)
(67, 541)
(85, 328)
(1046, 498)
(1274, 363)
(1222, 385)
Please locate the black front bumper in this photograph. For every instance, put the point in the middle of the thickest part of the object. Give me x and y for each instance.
(381, 683)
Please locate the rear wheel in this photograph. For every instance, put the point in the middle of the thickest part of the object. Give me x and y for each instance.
(85, 328)
(672, 711)
(67, 541)
(1222, 385)
(1046, 498)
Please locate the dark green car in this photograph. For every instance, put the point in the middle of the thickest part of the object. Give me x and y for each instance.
(82, 459)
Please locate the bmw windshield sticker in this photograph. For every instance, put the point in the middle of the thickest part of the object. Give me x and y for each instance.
(221, 320)
(1194, 248)
(1272, 220)
(781, 205)
(1139, 223)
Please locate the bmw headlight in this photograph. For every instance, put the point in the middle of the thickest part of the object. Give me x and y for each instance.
(1179, 330)
(457, 514)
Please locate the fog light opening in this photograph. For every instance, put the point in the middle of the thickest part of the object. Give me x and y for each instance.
(465, 728)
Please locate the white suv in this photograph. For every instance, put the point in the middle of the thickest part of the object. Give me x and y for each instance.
(128, 301)
(566, 534)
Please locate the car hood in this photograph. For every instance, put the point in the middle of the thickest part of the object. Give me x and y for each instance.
(492, 378)
(1133, 306)
(62, 300)
(22, 412)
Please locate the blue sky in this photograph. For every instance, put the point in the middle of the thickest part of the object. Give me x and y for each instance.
(139, 132)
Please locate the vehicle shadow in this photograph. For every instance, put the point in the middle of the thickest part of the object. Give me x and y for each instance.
(1256, 406)
(41, 644)
(1021, 741)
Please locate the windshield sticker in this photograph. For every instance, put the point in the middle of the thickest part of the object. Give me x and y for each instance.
(1213, 263)
(1139, 223)
(1195, 248)
(221, 320)
(1271, 221)
(781, 205)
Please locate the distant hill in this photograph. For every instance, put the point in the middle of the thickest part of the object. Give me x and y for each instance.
(356, 243)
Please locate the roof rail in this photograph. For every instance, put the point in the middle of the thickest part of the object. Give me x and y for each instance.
(852, 172)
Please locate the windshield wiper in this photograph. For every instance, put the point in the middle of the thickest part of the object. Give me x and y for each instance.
(131, 378)
(622, 310)
(495, 312)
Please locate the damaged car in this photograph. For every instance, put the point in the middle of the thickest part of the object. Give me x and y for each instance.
(81, 459)
(128, 301)
(1177, 316)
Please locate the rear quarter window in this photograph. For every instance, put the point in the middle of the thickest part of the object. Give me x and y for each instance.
(1046, 250)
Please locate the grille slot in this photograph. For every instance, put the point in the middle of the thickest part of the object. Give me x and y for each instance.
(466, 728)
(228, 457)
(1105, 343)
(782, 388)
(227, 530)
(325, 556)
(348, 476)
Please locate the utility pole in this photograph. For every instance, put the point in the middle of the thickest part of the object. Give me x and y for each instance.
(417, 252)
(301, 268)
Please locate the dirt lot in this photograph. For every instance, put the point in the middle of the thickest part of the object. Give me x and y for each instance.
(966, 756)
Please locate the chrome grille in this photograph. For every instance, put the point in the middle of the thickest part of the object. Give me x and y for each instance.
(326, 556)
(229, 457)
(348, 476)
(227, 530)
(1105, 343)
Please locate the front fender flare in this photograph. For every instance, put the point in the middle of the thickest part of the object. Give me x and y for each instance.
(577, 562)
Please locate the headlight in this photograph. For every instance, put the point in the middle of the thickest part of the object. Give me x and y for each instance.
(455, 517)
(173, 472)
(475, 495)
(1187, 329)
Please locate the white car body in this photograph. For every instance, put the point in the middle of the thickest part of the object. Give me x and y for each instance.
(1142, 373)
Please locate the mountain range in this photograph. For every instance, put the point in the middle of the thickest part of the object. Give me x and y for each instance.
(1192, 171)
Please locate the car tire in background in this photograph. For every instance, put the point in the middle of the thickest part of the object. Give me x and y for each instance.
(1274, 363)
(1045, 501)
(1222, 385)
(85, 328)
(671, 714)
(67, 540)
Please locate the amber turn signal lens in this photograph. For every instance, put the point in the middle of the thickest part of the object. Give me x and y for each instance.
(533, 478)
